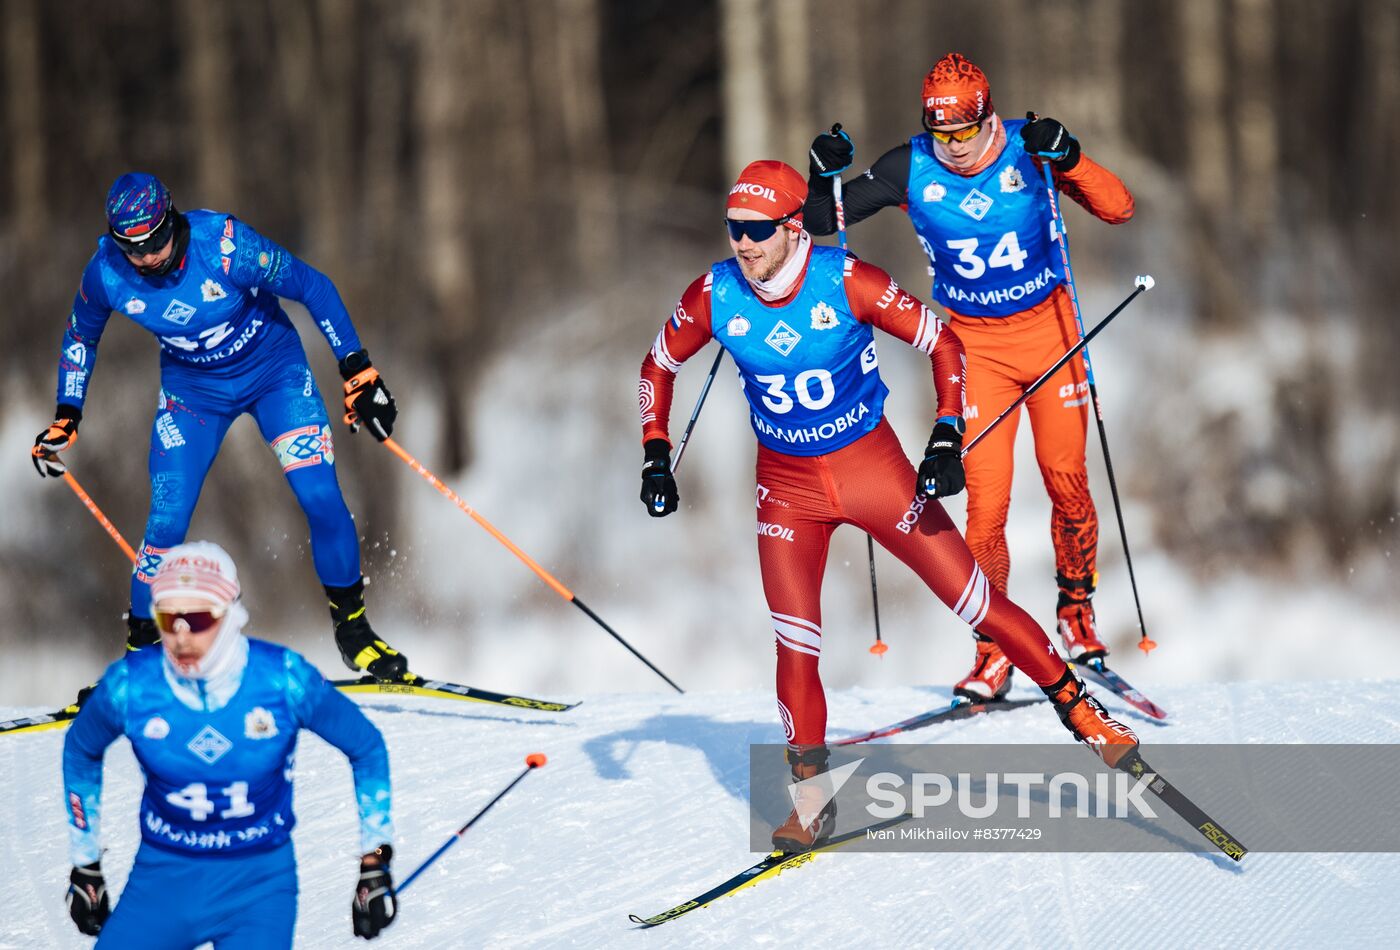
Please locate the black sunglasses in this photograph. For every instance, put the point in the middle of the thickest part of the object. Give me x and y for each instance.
(150, 242)
(756, 231)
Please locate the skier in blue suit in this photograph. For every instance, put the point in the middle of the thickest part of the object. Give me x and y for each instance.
(207, 286)
(213, 719)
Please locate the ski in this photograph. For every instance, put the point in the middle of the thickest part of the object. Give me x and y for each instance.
(960, 709)
(1170, 796)
(54, 720)
(1111, 680)
(771, 866)
(414, 685)
(436, 689)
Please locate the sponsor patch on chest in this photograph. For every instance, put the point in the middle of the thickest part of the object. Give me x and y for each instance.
(976, 204)
(783, 338)
(178, 312)
(209, 744)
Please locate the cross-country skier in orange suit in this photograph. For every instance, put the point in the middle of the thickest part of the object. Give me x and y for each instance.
(973, 189)
(799, 321)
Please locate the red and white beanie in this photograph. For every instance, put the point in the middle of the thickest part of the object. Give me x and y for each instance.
(773, 188)
(196, 569)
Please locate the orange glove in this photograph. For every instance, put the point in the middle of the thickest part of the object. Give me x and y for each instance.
(60, 434)
(367, 400)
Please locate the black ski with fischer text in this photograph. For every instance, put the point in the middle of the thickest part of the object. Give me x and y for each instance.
(414, 686)
(1172, 797)
(771, 866)
(960, 709)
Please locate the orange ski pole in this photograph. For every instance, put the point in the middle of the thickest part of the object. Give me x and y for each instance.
(529, 562)
(102, 519)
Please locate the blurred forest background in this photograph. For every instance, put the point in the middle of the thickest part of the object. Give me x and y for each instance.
(511, 195)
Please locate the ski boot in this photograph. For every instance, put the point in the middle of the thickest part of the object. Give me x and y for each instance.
(360, 647)
(990, 678)
(1083, 716)
(1075, 619)
(793, 835)
(140, 632)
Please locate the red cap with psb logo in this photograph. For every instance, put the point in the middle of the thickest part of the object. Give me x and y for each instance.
(774, 188)
(956, 92)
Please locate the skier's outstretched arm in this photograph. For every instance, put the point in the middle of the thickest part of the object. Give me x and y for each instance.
(262, 263)
(328, 713)
(97, 726)
(684, 335)
(876, 299)
(883, 185)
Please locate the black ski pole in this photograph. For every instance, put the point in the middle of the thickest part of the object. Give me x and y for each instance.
(532, 761)
(1143, 283)
(879, 647)
(690, 426)
(1145, 643)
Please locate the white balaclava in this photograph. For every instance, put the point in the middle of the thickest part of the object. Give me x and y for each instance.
(203, 570)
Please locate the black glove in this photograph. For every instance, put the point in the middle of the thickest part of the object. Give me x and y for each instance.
(659, 491)
(831, 153)
(367, 399)
(60, 434)
(374, 906)
(87, 898)
(941, 473)
(1048, 139)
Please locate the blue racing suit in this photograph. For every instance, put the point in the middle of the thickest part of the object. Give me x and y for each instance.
(227, 347)
(216, 860)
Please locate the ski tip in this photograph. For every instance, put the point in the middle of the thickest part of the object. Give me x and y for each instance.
(879, 648)
(1147, 644)
(535, 760)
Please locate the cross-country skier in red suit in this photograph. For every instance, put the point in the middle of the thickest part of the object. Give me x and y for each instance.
(799, 321)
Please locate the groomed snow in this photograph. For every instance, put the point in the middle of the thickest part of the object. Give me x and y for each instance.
(644, 805)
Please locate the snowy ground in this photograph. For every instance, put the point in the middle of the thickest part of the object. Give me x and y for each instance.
(644, 804)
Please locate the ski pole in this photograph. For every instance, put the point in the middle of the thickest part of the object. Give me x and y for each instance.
(1143, 283)
(96, 512)
(1061, 234)
(879, 647)
(529, 562)
(532, 761)
(690, 426)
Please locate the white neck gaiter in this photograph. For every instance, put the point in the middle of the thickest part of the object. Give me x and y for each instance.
(780, 284)
(216, 677)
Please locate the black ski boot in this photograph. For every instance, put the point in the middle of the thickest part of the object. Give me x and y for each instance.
(140, 632)
(360, 647)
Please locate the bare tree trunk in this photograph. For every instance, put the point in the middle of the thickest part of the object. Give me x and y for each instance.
(334, 192)
(745, 82)
(24, 108)
(841, 91)
(1202, 72)
(208, 84)
(1256, 130)
(794, 125)
(444, 106)
(586, 137)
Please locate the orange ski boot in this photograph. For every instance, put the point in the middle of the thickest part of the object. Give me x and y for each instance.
(1083, 716)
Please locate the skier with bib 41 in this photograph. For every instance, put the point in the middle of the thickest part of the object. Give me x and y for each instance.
(213, 719)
